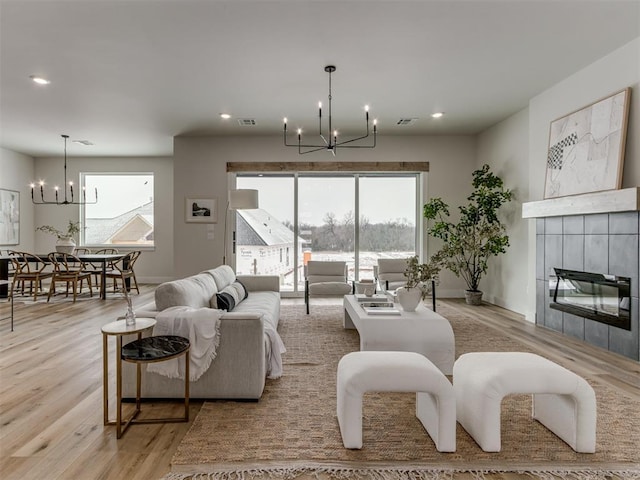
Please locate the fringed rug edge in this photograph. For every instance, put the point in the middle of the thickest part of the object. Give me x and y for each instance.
(338, 472)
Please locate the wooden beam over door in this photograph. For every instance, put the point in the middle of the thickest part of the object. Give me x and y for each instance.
(238, 167)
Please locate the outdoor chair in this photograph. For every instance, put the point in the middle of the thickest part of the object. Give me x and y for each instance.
(325, 279)
(68, 269)
(123, 270)
(28, 267)
(389, 273)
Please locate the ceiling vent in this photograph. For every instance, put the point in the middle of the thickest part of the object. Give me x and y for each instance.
(406, 121)
(246, 122)
(83, 142)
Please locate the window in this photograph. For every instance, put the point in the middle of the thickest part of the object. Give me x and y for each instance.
(123, 215)
(354, 217)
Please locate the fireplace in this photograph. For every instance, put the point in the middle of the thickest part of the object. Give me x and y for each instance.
(577, 235)
(600, 297)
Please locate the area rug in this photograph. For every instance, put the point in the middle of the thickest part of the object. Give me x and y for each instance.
(293, 429)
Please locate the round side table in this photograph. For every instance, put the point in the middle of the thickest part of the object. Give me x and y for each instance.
(118, 329)
(159, 349)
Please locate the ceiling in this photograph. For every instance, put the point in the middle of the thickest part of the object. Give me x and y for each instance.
(130, 75)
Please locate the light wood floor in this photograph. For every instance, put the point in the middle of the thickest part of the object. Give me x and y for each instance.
(51, 423)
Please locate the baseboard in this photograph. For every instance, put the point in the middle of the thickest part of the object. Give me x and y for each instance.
(155, 280)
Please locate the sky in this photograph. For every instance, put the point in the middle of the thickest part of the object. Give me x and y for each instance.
(381, 199)
(117, 194)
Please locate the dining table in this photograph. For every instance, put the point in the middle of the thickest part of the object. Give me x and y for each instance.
(103, 259)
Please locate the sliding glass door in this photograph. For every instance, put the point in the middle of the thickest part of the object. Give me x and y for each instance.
(387, 219)
(356, 218)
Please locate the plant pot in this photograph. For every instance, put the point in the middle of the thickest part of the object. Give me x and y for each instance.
(65, 245)
(409, 298)
(473, 297)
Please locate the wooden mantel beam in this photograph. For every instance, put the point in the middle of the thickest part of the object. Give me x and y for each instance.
(239, 167)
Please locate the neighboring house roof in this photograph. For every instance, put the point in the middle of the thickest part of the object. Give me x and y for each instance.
(134, 224)
(259, 227)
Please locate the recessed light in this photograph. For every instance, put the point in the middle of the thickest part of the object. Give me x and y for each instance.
(39, 80)
(437, 115)
(225, 116)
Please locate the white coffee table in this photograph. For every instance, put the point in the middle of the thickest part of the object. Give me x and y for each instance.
(423, 331)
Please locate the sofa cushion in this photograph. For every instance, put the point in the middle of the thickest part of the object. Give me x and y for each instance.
(263, 303)
(222, 275)
(194, 291)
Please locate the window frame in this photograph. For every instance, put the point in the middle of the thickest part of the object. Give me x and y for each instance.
(417, 174)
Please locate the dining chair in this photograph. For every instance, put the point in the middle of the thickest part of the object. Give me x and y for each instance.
(10, 300)
(68, 269)
(81, 251)
(31, 268)
(325, 279)
(123, 270)
(96, 268)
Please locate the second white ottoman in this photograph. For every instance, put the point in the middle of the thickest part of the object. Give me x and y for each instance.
(361, 372)
(562, 401)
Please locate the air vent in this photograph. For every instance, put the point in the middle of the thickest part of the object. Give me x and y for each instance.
(83, 142)
(406, 121)
(246, 122)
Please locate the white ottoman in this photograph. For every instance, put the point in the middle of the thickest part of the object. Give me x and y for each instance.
(562, 401)
(361, 372)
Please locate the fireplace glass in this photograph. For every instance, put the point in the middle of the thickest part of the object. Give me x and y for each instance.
(600, 297)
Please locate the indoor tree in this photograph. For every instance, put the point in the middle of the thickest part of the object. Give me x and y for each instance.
(477, 236)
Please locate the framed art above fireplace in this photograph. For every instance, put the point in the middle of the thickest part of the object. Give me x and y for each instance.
(586, 148)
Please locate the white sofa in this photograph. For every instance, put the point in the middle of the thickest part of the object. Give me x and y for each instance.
(243, 356)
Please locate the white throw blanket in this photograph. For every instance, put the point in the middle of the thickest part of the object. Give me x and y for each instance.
(202, 327)
(277, 349)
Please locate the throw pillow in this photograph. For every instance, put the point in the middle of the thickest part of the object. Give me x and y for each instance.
(242, 290)
(225, 301)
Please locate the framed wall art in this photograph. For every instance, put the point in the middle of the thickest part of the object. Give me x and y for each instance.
(9, 217)
(201, 210)
(586, 148)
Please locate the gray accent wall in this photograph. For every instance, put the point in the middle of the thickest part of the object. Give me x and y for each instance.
(599, 243)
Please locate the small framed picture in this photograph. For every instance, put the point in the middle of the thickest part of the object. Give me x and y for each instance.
(201, 210)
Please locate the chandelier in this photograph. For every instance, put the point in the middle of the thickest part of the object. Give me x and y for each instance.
(330, 141)
(66, 201)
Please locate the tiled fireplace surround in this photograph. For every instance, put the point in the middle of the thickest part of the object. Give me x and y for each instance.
(599, 243)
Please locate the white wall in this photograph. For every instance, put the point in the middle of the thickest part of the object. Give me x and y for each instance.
(16, 171)
(154, 265)
(200, 170)
(505, 148)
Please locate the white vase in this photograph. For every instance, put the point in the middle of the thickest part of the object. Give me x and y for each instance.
(409, 298)
(65, 245)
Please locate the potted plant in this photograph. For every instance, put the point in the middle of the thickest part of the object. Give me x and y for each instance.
(66, 242)
(418, 284)
(477, 236)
